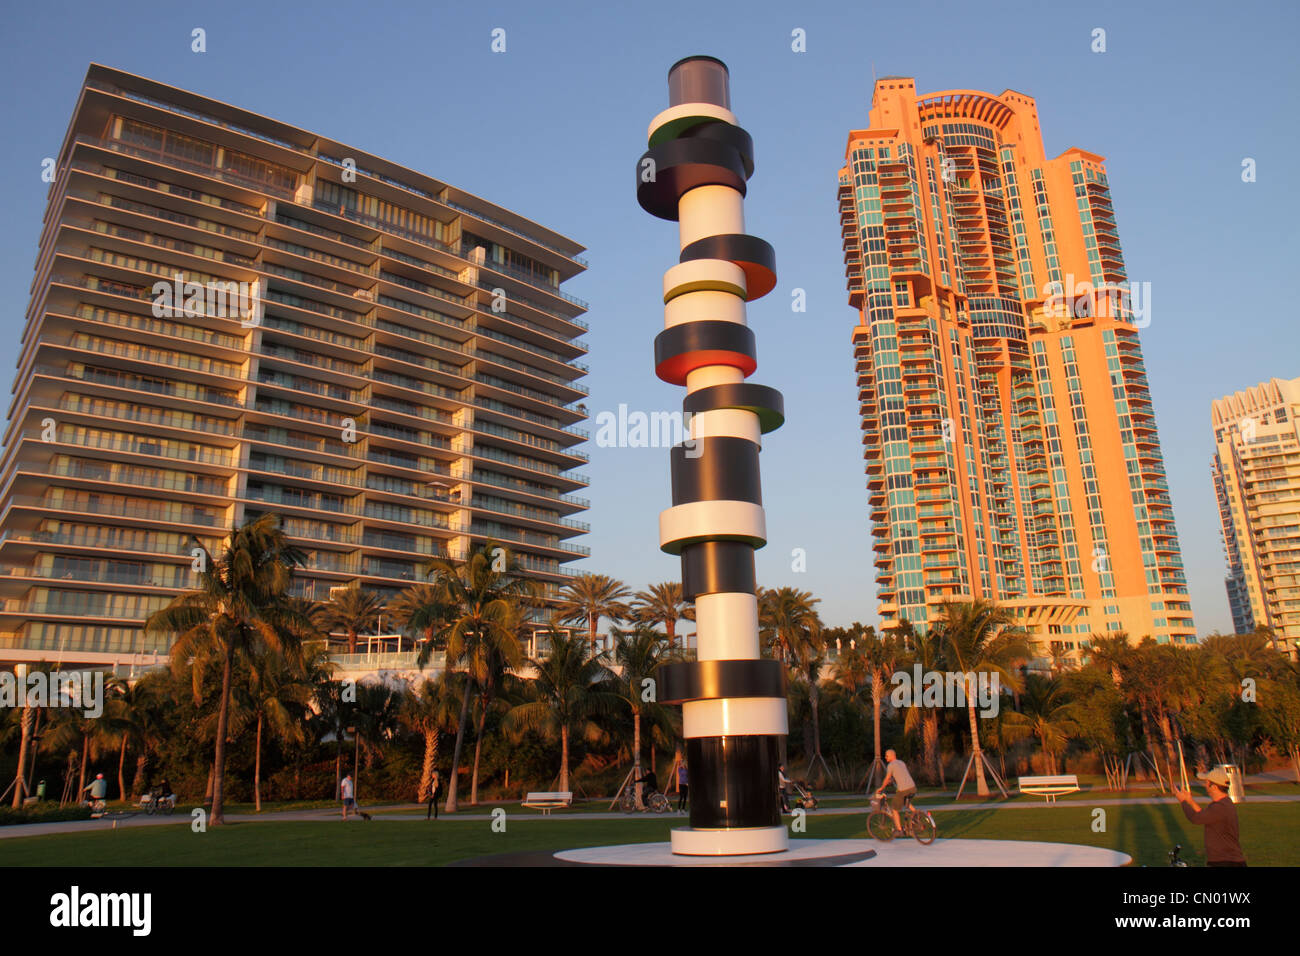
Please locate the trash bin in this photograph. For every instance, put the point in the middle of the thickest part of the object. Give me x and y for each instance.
(40, 790)
(1236, 790)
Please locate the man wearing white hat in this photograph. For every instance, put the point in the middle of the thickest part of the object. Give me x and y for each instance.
(1222, 847)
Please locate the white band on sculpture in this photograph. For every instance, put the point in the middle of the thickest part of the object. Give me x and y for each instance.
(705, 305)
(711, 521)
(710, 211)
(726, 626)
(734, 716)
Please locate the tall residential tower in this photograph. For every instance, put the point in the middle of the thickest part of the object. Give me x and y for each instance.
(233, 316)
(1256, 472)
(1011, 446)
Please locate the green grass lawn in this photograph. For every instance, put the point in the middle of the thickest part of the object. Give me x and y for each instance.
(1144, 832)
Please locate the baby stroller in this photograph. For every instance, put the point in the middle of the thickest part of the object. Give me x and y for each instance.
(805, 798)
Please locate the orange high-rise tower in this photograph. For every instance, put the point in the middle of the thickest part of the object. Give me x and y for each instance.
(1010, 441)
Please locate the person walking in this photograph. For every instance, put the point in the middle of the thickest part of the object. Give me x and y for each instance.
(682, 787)
(783, 784)
(349, 799)
(1222, 843)
(435, 791)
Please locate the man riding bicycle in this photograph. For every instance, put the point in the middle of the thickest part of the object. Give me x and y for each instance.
(904, 786)
(651, 785)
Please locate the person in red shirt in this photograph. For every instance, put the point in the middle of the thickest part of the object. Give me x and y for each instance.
(1222, 847)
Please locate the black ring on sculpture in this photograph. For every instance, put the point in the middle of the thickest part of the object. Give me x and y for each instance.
(680, 165)
(752, 254)
(718, 468)
(763, 400)
(681, 349)
(735, 137)
(714, 680)
(718, 567)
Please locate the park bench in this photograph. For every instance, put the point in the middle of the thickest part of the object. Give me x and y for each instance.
(547, 801)
(1049, 787)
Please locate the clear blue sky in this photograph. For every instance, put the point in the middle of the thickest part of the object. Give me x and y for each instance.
(553, 126)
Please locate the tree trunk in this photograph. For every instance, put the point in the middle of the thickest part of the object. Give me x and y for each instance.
(207, 791)
(876, 690)
(484, 702)
(564, 760)
(137, 780)
(27, 718)
(85, 754)
(977, 756)
(1149, 736)
(636, 751)
(816, 761)
(121, 765)
(31, 770)
(219, 763)
(352, 642)
(930, 740)
(257, 767)
(814, 701)
(592, 621)
(670, 630)
(455, 757)
(430, 761)
(338, 760)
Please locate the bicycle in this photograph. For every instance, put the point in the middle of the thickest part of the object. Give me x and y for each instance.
(652, 801)
(916, 823)
(158, 803)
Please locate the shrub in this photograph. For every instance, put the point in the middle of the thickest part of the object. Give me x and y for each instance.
(47, 812)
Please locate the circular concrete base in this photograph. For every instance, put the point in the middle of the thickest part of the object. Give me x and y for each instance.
(741, 842)
(982, 853)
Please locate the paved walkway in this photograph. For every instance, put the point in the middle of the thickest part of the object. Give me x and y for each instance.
(379, 814)
(863, 853)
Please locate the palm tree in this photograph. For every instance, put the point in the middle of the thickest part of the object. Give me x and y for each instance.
(489, 676)
(277, 696)
(27, 723)
(71, 731)
(877, 659)
(979, 639)
(638, 654)
(429, 709)
(588, 598)
(375, 718)
(785, 616)
(927, 650)
(485, 610)
(661, 604)
(420, 611)
(571, 687)
(353, 610)
(1047, 715)
(810, 654)
(336, 703)
(241, 603)
(791, 630)
(147, 712)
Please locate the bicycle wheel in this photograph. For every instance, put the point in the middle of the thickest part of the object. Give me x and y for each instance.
(659, 803)
(881, 825)
(627, 802)
(923, 827)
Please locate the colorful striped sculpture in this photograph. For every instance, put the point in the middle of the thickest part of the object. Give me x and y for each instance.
(733, 701)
